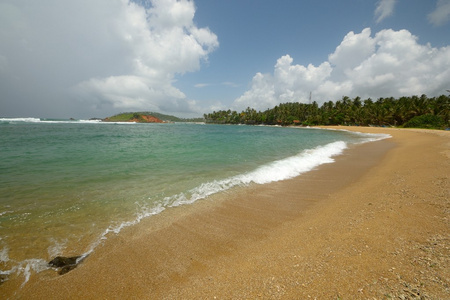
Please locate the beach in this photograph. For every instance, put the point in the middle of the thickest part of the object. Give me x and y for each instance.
(374, 224)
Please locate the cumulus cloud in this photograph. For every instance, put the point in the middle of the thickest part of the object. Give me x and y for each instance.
(109, 54)
(392, 63)
(441, 14)
(385, 8)
(162, 41)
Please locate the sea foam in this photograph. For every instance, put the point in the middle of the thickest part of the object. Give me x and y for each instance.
(278, 170)
(14, 120)
(50, 121)
(24, 268)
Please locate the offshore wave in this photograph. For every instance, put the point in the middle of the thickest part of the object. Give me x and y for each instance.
(15, 120)
(51, 121)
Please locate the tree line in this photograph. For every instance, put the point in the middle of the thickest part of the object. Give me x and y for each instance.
(411, 111)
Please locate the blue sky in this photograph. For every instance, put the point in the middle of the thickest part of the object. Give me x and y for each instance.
(253, 34)
(96, 58)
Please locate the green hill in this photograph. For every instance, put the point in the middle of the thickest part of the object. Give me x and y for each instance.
(144, 118)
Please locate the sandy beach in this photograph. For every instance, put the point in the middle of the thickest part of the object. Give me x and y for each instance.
(372, 225)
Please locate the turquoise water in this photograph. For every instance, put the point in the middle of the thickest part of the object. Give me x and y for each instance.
(66, 185)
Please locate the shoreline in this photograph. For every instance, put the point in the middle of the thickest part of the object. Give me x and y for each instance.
(348, 229)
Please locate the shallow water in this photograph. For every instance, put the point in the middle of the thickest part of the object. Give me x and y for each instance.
(66, 185)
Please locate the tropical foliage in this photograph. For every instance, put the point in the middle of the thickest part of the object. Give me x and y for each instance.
(127, 116)
(383, 112)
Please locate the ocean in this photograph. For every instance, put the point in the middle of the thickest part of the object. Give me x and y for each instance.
(67, 185)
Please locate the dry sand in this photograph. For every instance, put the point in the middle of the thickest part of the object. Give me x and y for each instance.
(372, 225)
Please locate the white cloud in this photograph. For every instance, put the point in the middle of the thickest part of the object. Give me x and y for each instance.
(107, 53)
(441, 14)
(162, 42)
(353, 49)
(202, 85)
(385, 8)
(392, 63)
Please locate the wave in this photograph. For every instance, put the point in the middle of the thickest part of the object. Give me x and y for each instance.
(372, 137)
(283, 169)
(15, 120)
(24, 268)
(54, 121)
(366, 137)
(278, 170)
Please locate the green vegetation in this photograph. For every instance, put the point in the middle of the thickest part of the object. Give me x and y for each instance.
(412, 111)
(124, 117)
(425, 121)
(128, 116)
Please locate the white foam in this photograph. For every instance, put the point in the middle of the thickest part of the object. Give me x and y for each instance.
(28, 120)
(97, 122)
(142, 213)
(25, 267)
(6, 212)
(57, 247)
(367, 137)
(4, 257)
(45, 121)
(275, 171)
(28, 266)
(278, 170)
(373, 137)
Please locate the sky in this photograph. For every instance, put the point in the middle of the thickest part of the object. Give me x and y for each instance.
(96, 58)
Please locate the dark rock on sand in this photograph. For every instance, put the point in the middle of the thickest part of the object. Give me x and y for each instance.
(3, 278)
(66, 269)
(62, 261)
(65, 264)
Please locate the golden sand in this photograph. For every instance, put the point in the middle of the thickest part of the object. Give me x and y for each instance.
(374, 224)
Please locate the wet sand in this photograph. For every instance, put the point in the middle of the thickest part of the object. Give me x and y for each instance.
(374, 224)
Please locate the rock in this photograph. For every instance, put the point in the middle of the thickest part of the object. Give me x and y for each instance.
(3, 278)
(64, 264)
(62, 261)
(66, 269)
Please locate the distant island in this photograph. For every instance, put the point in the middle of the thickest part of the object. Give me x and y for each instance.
(133, 117)
(147, 117)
